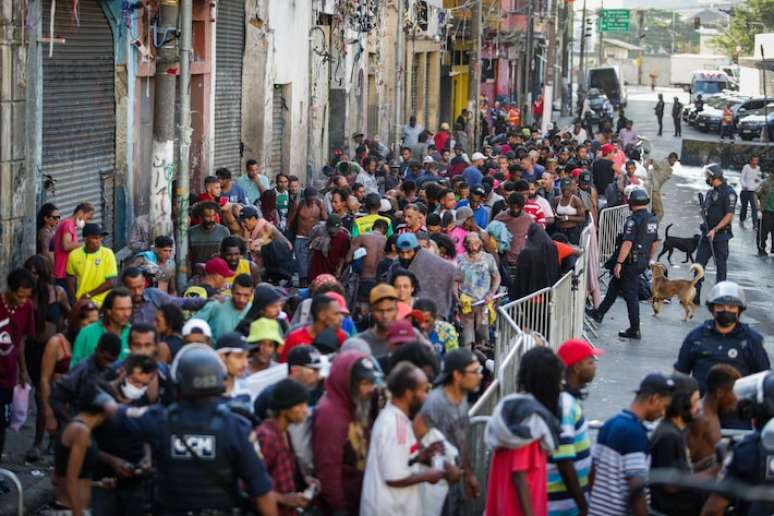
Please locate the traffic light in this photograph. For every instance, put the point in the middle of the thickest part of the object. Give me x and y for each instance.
(589, 28)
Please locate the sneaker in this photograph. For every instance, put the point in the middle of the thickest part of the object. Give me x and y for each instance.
(762, 252)
(594, 314)
(630, 334)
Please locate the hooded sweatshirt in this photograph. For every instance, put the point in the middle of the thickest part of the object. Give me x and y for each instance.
(340, 443)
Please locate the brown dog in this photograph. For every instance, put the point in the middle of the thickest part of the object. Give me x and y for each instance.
(664, 288)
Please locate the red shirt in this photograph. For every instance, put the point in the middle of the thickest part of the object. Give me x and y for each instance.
(534, 210)
(15, 325)
(501, 497)
(205, 197)
(66, 227)
(280, 461)
(440, 139)
(301, 337)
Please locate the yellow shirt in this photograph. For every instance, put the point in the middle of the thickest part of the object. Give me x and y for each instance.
(91, 270)
(365, 224)
(242, 268)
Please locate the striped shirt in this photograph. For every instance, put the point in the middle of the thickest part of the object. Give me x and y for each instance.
(621, 453)
(575, 445)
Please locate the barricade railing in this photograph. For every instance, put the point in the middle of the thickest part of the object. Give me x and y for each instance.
(611, 222)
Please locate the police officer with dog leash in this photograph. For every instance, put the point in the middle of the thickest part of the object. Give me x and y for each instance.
(631, 258)
(717, 213)
(201, 449)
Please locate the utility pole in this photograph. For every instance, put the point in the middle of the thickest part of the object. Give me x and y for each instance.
(565, 26)
(527, 99)
(599, 29)
(582, 61)
(163, 162)
(474, 81)
(765, 134)
(641, 36)
(184, 139)
(399, 78)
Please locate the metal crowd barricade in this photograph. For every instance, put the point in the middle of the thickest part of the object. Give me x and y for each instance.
(611, 222)
(19, 490)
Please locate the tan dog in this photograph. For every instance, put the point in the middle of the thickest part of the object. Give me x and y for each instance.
(664, 288)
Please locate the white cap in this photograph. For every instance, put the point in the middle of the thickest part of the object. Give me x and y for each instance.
(197, 326)
(427, 159)
(385, 206)
(477, 156)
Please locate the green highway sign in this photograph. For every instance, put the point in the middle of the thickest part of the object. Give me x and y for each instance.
(615, 20)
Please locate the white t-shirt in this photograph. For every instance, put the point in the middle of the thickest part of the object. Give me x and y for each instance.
(392, 445)
(751, 178)
(545, 206)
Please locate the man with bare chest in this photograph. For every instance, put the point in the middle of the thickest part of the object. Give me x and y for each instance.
(309, 213)
(704, 432)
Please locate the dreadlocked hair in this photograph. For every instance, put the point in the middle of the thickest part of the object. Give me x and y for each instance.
(540, 374)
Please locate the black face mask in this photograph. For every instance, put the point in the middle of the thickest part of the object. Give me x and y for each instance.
(726, 319)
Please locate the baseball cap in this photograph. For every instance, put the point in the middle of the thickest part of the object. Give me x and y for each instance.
(462, 214)
(427, 159)
(657, 383)
(456, 360)
(477, 156)
(218, 266)
(576, 172)
(401, 332)
(608, 148)
(585, 177)
(575, 350)
(327, 341)
(248, 212)
(305, 356)
(199, 326)
(406, 242)
(333, 222)
(478, 190)
(265, 329)
(382, 291)
(92, 229)
(340, 301)
(232, 342)
(565, 182)
(364, 369)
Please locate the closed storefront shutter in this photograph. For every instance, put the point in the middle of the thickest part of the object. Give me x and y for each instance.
(277, 130)
(79, 118)
(229, 48)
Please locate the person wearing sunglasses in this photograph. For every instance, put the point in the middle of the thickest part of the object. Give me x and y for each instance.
(48, 219)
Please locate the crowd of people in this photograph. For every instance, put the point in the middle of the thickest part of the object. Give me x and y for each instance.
(350, 328)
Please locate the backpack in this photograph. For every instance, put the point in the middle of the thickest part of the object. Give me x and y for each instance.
(613, 195)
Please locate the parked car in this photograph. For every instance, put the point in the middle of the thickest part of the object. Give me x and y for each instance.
(709, 120)
(751, 126)
(751, 106)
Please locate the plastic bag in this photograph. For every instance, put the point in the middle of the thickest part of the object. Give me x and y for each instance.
(21, 401)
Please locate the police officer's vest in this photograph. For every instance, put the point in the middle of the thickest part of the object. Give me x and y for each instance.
(714, 211)
(764, 476)
(189, 483)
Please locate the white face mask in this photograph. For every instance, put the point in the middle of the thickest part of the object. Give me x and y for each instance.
(131, 392)
(80, 223)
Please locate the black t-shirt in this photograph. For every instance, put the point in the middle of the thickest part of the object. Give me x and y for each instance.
(602, 174)
(668, 449)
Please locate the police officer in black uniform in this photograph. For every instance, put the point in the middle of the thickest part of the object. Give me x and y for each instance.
(201, 449)
(751, 461)
(718, 212)
(637, 245)
(723, 339)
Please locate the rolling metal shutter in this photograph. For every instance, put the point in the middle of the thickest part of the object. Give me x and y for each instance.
(229, 49)
(79, 117)
(277, 130)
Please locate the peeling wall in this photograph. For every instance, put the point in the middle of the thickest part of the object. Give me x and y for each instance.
(17, 180)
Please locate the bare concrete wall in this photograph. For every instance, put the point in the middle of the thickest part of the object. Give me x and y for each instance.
(17, 184)
(254, 82)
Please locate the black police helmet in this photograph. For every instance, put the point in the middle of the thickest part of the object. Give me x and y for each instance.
(712, 171)
(638, 197)
(198, 372)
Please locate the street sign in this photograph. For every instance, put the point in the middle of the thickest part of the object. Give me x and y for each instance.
(615, 20)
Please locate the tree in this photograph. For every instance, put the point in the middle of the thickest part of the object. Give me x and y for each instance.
(747, 19)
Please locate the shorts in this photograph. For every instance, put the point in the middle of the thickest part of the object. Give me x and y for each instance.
(6, 404)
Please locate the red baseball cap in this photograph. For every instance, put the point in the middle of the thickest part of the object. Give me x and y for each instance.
(339, 300)
(401, 332)
(576, 172)
(608, 148)
(575, 350)
(218, 266)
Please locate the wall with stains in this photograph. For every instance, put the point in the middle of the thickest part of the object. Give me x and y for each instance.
(17, 186)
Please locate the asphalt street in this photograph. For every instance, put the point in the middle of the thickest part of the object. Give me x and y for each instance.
(626, 362)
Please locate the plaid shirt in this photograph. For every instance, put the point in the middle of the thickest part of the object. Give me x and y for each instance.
(280, 461)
